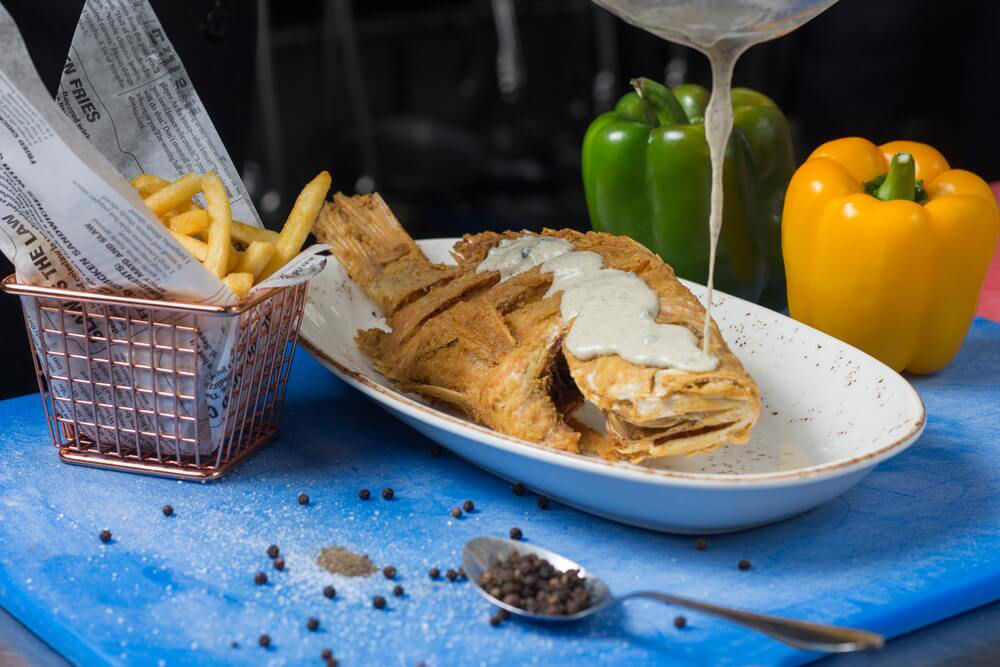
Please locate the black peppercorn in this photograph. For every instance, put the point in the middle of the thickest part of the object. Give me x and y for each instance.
(364, 494)
(543, 502)
(326, 654)
(168, 510)
(456, 512)
(303, 499)
(378, 602)
(397, 590)
(273, 551)
(518, 489)
(260, 578)
(680, 622)
(516, 534)
(331, 662)
(495, 620)
(279, 563)
(700, 544)
(388, 493)
(451, 574)
(744, 565)
(434, 573)
(312, 623)
(468, 506)
(105, 536)
(389, 572)
(264, 640)
(329, 592)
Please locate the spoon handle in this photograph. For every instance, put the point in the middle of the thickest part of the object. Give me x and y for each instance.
(808, 636)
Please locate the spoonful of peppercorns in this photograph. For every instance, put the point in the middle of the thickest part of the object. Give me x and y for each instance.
(541, 585)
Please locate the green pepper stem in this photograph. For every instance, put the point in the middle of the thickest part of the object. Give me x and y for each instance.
(668, 110)
(901, 181)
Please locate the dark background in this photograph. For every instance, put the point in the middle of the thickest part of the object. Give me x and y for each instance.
(409, 97)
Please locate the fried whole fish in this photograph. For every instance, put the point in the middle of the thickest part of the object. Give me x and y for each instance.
(496, 349)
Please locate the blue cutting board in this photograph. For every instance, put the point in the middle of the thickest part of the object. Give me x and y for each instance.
(916, 541)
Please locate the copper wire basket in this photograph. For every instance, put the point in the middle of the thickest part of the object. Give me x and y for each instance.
(124, 384)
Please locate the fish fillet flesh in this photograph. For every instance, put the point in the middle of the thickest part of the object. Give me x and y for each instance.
(496, 349)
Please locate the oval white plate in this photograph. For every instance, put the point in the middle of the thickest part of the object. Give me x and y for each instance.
(829, 414)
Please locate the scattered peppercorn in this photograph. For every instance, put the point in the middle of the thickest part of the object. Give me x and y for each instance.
(264, 640)
(326, 654)
(378, 602)
(303, 499)
(436, 451)
(700, 544)
(434, 573)
(518, 489)
(105, 536)
(451, 574)
(329, 592)
(543, 502)
(168, 510)
(503, 614)
(468, 506)
(364, 494)
(331, 662)
(279, 563)
(461, 572)
(533, 584)
(680, 622)
(495, 620)
(389, 572)
(312, 623)
(273, 551)
(388, 493)
(745, 565)
(260, 578)
(456, 512)
(397, 590)
(515, 533)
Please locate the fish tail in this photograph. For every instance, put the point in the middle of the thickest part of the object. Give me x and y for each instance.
(375, 250)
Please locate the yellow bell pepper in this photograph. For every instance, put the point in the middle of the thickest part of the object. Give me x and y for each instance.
(886, 248)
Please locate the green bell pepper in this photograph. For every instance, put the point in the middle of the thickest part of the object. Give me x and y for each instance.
(647, 174)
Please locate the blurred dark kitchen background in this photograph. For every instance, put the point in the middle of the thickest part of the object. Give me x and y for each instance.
(468, 114)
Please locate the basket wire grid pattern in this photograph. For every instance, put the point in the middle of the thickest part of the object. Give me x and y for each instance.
(121, 384)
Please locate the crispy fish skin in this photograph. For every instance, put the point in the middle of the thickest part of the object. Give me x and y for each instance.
(495, 349)
(457, 336)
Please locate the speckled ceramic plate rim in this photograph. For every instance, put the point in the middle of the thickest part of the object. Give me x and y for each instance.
(442, 420)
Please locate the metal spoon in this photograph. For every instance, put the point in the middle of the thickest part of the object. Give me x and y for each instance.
(484, 552)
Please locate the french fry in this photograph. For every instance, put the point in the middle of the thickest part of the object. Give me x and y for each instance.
(147, 184)
(198, 249)
(174, 195)
(300, 222)
(255, 258)
(234, 260)
(247, 234)
(220, 230)
(189, 223)
(239, 282)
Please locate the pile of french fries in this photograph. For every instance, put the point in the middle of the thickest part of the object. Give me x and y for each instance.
(238, 254)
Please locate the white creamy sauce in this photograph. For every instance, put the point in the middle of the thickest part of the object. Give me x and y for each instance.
(513, 257)
(609, 311)
(722, 30)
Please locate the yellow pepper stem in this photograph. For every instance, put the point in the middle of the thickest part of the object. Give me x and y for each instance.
(901, 181)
